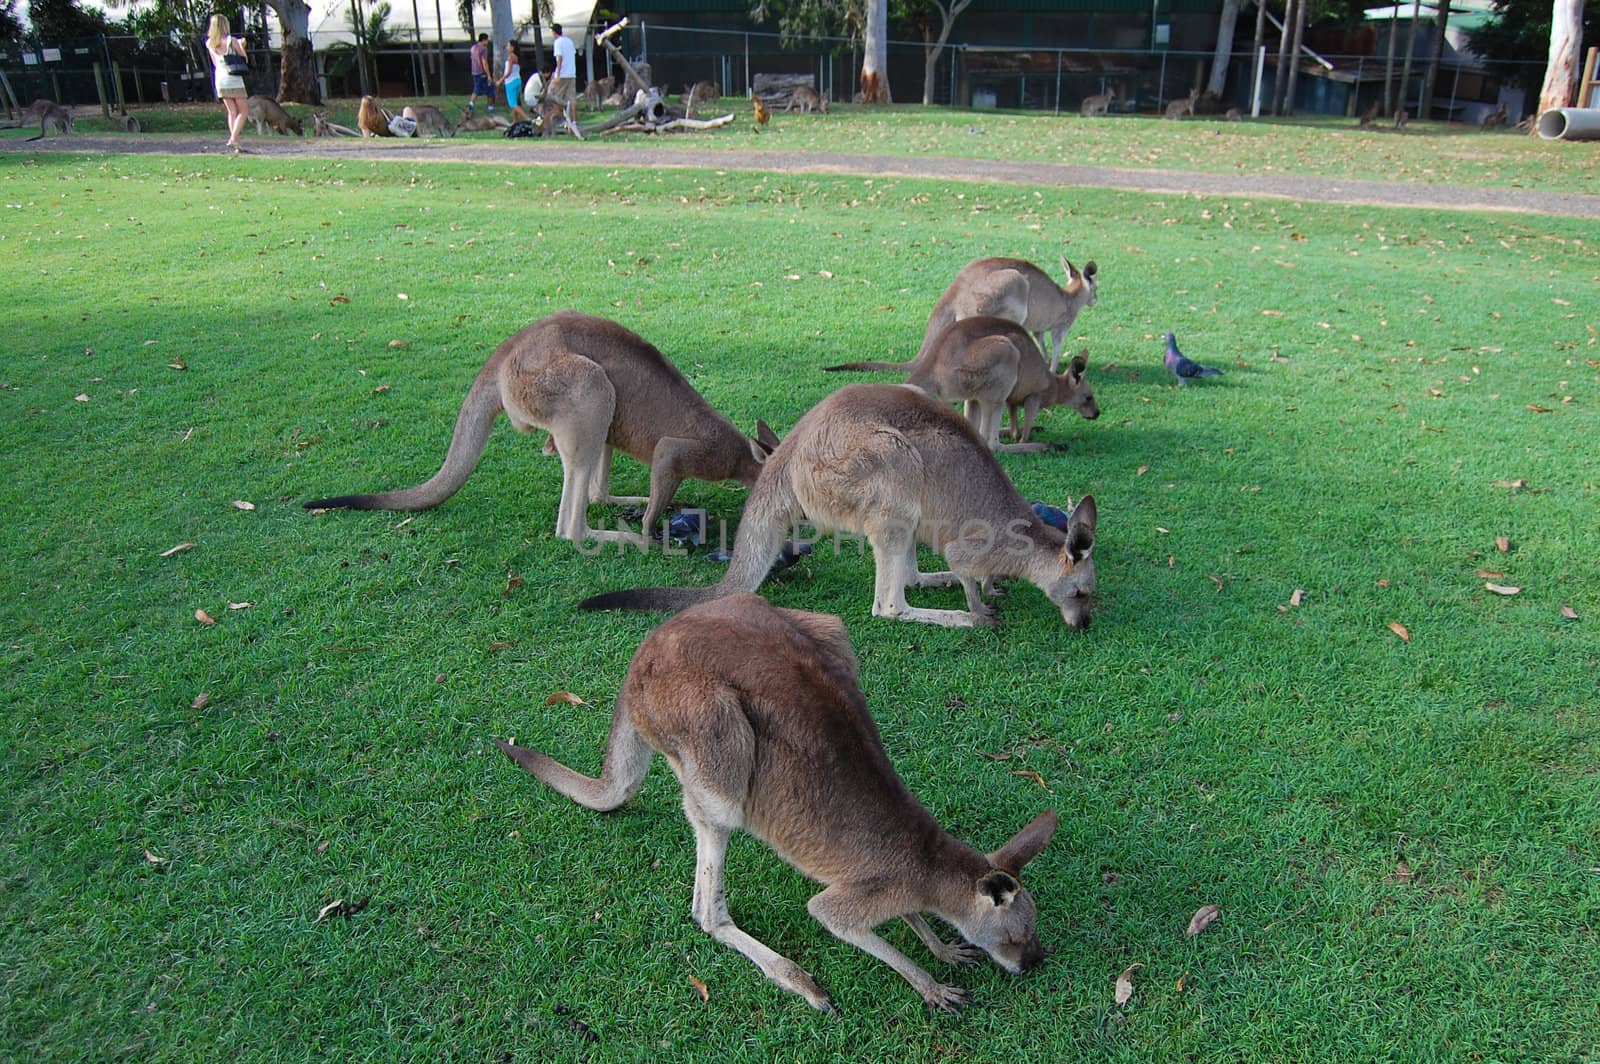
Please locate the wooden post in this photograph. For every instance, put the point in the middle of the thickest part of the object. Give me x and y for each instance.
(100, 90)
(116, 85)
(1590, 81)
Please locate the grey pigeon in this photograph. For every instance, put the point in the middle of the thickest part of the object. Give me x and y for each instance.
(1185, 369)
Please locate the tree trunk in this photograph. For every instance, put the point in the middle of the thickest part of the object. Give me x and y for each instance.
(1432, 75)
(1411, 50)
(297, 66)
(1388, 63)
(1224, 55)
(1294, 54)
(875, 54)
(1561, 72)
(931, 53)
(1281, 73)
(500, 32)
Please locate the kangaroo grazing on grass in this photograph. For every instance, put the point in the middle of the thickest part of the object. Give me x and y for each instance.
(598, 388)
(1178, 108)
(52, 117)
(1098, 105)
(1495, 119)
(431, 121)
(899, 467)
(760, 715)
(264, 111)
(994, 366)
(1370, 115)
(698, 93)
(806, 100)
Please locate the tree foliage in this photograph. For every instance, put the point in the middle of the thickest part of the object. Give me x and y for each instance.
(10, 24)
(1516, 43)
(799, 19)
(60, 19)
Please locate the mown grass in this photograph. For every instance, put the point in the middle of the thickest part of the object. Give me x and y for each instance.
(1401, 834)
(1426, 153)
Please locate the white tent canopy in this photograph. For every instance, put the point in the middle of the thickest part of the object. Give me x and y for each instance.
(330, 21)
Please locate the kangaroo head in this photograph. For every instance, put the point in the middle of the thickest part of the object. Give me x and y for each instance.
(1001, 918)
(1080, 283)
(1072, 388)
(1073, 585)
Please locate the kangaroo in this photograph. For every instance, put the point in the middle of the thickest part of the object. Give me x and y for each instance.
(900, 467)
(598, 387)
(372, 120)
(1012, 289)
(595, 93)
(470, 123)
(264, 111)
(1370, 115)
(698, 93)
(431, 121)
(994, 366)
(806, 100)
(750, 705)
(1233, 114)
(52, 117)
(1495, 119)
(1098, 105)
(1401, 117)
(1178, 108)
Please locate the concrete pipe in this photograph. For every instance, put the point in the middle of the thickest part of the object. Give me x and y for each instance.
(1570, 123)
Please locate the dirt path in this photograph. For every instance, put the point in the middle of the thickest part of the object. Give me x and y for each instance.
(567, 153)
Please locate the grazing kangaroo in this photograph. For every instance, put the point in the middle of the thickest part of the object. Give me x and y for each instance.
(994, 366)
(806, 99)
(598, 388)
(264, 111)
(1370, 115)
(431, 121)
(1495, 119)
(595, 93)
(698, 93)
(900, 467)
(1178, 108)
(1098, 105)
(1233, 114)
(52, 117)
(1401, 117)
(760, 715)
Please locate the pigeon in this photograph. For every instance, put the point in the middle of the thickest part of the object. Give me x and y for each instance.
(1185, 369)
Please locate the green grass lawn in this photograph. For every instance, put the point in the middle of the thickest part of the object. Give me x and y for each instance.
(1403, 835)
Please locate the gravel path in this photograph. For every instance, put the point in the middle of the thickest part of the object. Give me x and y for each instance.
(567, 153)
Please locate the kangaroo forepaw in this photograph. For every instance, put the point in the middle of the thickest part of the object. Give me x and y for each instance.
(945, 998)
(962, 953)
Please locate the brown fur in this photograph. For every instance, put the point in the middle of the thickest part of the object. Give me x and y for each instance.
(52, 117)
(596, 92)
(471, 123)
(552, 115)
(806, 100)
(1098, 105)
(431, 121)
(1401, 117)
(1495, 119)
(1234, 115)
(994, 366)
(750, 705)
(698, 93)
(899, 467)
(1178, 108)
(598, 387)
(1370, 115)
(371, 120)
(264, 111)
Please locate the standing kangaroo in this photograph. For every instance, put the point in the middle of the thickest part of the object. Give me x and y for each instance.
(1178, 108)
(900, 467)
(597, 387)
(1098, 105)
(807, 100)
(760, 715)
(52, 116)
(994, 366)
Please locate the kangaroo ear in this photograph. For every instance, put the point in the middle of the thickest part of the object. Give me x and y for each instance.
(1080, 530)
(1071, 273)
(1089, 269)
(1079, 363)
(1025, 844)
(766, 437)
(998, 887)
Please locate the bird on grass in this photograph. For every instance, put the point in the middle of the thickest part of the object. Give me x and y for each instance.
(1183, 368)
(762, 114)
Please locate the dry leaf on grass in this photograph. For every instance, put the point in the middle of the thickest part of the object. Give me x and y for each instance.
(380, 389)
(1401, 875)
(1537, 409)
(1569, 613)
(1125, 983)
(170, 551)
(1203, 918)
(1502, 544)
(1488, 574)
(1400, 630)
(332, 906)
(1029, 774)
(1182, 979)
(1163, 531)
(154, 859)
(241, 504)
(565, 696)
(1298, 597)
(1215, 579)
(398, 344)
(338, 301)
(1513, 484)
(513, 581)
(204, 618)
(1501, 589)
(700, 988)
(201, 701)
(240, 605)
(1142, 470)
(82, 397)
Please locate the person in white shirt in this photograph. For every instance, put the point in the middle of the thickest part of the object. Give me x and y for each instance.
(563, 86)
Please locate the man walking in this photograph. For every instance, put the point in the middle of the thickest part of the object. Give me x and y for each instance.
(563, 86)
(482, 80)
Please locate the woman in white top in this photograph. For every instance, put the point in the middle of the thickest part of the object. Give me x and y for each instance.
(230, 86)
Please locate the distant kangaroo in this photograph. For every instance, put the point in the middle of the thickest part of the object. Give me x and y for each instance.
(597, 387)
(1370, 115)
(994, 366)
(805, 98)
(900, 467)
(1495, 119)
(1098, 105)
(1179, 108)
(760, 715)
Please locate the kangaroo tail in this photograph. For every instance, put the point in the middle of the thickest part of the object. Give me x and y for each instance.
(473, 426)
(626, 762)
(766, 519)
(892, 367)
